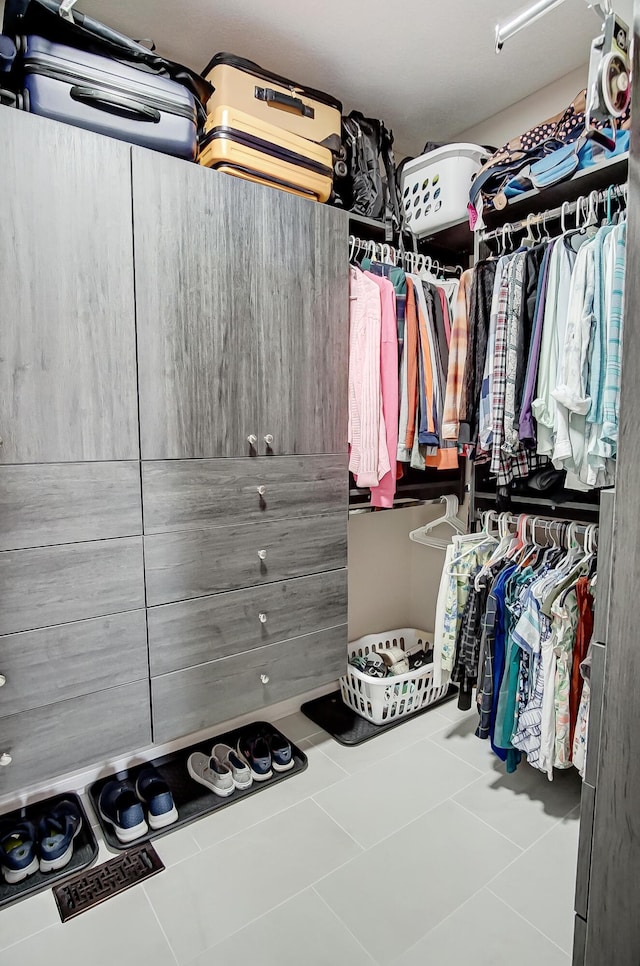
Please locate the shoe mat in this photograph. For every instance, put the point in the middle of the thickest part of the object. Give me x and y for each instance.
(332, 715)
(191, 798)
(85, 850)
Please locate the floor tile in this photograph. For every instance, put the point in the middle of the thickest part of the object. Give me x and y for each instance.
(176, 846)
(203, 900)
(27, 917)
(393, 894)
(320, 774)
(540, 885)
(458, 737)
(525, 805)
(355, 757)
(420, 777)
(486, 933)
(451, 711)
(296, 726)
(123, 930)
(302, 930)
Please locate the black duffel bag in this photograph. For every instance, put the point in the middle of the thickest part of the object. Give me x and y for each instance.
(365, 183)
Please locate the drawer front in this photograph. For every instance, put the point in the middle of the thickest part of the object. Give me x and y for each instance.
(56, 663)
(195, 563)
(194, 494)
(62, 737)
(205, 629)
(45, 504)
(55, 585)
(196, 698)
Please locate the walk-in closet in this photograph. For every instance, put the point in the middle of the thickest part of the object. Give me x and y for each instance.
(319, 508)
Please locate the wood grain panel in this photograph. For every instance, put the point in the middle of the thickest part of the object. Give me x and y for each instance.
(208, 628)
(190, 700)
(67, 365)
(200, 562)
(56, 585)
(195, 494)
(587, 803)
(56, 663)
(54, 503)
(303, 316)
(196, 281)
(62, 737)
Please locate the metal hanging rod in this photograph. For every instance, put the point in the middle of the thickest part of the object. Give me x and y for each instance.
(567, 208)
(410, 261)
(513, 519)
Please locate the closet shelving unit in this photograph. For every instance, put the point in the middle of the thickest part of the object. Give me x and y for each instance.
(546, 205)
(417, 486)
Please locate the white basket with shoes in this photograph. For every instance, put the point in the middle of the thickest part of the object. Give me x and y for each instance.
(381, 700)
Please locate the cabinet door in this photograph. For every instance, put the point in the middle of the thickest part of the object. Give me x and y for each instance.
(194, 237)
(67, 364)
(303, 315)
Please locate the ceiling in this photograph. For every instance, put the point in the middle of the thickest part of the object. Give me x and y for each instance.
(427, 68)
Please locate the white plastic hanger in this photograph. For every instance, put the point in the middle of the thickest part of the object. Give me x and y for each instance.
(450, 517)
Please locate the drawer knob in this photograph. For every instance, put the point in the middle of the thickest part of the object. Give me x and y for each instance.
(268, 439)
(261, 490)
(262, 554)
(264, 678)
(262, 618)
(252, 440)
(3, 680)
(5, 759)
(1, 441)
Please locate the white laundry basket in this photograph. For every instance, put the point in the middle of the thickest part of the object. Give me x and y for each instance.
(384, 699)
(435, 187)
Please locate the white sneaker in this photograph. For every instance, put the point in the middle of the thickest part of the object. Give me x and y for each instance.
(240, 771)
(211, 773)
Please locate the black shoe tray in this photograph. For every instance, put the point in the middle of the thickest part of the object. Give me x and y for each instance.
(193, 800)
(85, 850)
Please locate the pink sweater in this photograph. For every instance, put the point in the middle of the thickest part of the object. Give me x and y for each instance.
(383, 494)
(369, 457)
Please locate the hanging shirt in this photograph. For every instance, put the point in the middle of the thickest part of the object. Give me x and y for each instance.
(479, 314)
(526, 426)
(457, 359)
(383, 494)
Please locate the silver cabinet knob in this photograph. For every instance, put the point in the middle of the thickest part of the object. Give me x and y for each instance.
(1, 441)
(3, 680)
(262, 618)
(264, 678)
(268, 439)
(262, 554)
(261, 490)
(5, 759)
(252, 440)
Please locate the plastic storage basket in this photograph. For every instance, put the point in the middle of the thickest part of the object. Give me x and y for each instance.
(384, 699)
(435, 187)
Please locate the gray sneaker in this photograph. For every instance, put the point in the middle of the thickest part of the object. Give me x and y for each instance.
(240, 771)
(211, 773)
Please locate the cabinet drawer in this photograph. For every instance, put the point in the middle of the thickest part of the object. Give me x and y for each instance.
(56, 663)
(194, 494)
(54, 585)
(54, 503)
(193, 699)
(200, 562)
(208, 628)
(62, 737)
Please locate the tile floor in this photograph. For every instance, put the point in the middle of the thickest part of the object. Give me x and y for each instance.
(414, 849)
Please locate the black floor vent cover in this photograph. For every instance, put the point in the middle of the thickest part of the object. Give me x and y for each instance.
(95, 886)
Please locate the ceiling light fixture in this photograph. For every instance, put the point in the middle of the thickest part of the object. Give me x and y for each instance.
(533, 12)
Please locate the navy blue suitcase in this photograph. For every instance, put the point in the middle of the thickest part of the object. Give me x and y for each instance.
(108, 96)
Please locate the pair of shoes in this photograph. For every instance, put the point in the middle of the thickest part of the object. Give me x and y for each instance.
(265, 752)
(222, 772)
(121, 804)
(25, 850)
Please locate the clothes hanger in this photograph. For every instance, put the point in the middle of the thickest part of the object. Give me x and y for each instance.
(449, 518)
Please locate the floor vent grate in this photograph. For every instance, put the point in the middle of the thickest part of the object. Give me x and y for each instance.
(97, 885)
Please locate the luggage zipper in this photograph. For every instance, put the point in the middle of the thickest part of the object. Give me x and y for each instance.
(258, 144)
(36, 66)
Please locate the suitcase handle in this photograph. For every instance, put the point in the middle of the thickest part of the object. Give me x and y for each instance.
(277, 99)
(103, 100)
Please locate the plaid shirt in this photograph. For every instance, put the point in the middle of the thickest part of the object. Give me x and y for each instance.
(457, 359)
(465, 670)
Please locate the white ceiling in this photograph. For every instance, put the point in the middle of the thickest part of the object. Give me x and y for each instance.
(427, 67)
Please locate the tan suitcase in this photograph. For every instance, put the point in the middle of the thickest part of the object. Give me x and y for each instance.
(274, 100)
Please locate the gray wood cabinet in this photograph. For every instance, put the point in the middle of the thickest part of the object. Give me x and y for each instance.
(242, 311)
(187, 701)
(67, 366)
(205, 629)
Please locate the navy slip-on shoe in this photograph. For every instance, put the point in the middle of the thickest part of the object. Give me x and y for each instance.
(119, 805)
(153, 791)
(254, 750)
(18, 851)
(56, 832)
